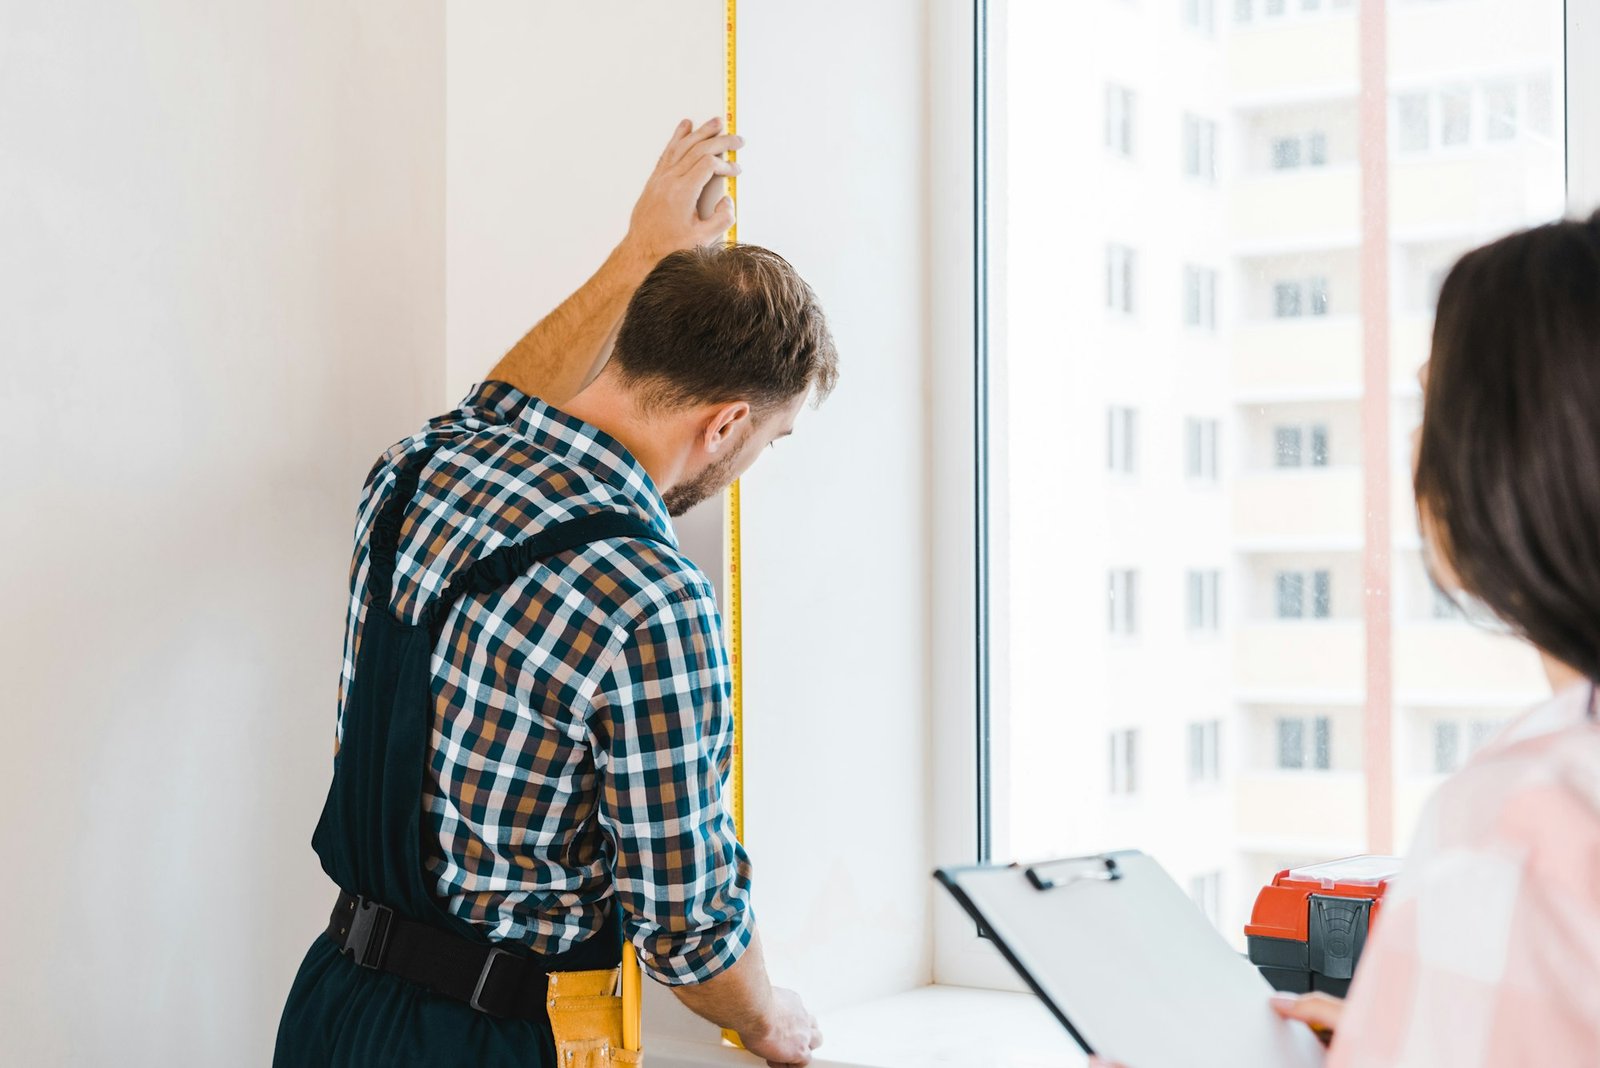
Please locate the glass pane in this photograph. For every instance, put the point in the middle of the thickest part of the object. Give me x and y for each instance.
(1262, 284)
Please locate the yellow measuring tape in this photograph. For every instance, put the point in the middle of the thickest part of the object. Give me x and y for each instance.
(731, 530)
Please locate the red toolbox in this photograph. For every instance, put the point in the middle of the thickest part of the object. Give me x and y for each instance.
(1308, 926)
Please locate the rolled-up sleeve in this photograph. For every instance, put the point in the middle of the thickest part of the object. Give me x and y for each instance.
(663, 735)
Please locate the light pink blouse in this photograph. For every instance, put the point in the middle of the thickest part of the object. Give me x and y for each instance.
(1487, 950)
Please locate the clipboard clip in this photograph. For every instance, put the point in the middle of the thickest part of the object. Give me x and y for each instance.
(1104, 871)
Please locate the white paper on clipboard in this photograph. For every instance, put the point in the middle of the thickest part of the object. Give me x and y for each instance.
(1129, 965)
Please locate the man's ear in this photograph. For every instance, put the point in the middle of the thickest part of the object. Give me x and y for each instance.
(722, 427)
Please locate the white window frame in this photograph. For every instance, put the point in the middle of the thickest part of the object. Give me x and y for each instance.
(1205, 752)
(1201, 449)
(960, 956)
(1203, 600)
(1122, 441)
(1123, 749)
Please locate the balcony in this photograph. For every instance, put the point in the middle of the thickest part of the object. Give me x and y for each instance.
(1278, 359)
(1299, 507)
(1325, 810)
(1314, 207)
(1324, 657)
(1298, 59)
(1455, 659)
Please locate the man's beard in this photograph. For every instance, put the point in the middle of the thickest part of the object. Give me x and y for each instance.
(713, 480)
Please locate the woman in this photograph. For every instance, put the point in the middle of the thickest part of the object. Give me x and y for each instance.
(1488, 950)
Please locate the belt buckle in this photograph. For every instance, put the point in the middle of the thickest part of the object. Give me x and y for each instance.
(483, 977)
(369, 932)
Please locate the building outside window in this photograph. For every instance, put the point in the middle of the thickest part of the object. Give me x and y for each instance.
(1119, 120)
(1123, 601)
(1125, 762)
(1205, 763)
(1199, 15)
(1304, 594)
(1120, 266)
(1200, 449)
(1305, 743)
(1199, 148)
(1296, 297)
(1122, 435)
(1205, 611)
(1200, 297)
(1300, 446)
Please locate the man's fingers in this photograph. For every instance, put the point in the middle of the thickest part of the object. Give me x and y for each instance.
(667, 154)
(719, 222)
(711, 146)
(683, 143)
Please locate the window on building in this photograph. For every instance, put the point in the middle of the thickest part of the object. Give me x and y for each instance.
(1121, 263)
(1244, 10)
(1316, 149)
(1305, 742)
(1275, 8)
(1122, 436)
(1200, 297)
(1500, 111)
(1199, 15)
(1125, 762)
(1206, 890)
(1205, 761)
(1300, 446)
(1416, 122)
(1304, 594)
(1123, 602)
(1455, 115)
(1205, 610)
(1119, 119)
(1199, 148)
(1293, 298)
(1446, 747)
(1200, 449)
(1285, 153)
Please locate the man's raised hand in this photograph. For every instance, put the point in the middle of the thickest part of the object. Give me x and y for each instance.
(665, 218)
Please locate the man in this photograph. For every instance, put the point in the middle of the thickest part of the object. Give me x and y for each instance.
(534, 731)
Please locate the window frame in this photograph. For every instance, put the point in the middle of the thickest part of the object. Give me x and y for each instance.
(967, 561)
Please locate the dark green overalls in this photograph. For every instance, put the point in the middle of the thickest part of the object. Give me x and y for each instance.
(343, 1013)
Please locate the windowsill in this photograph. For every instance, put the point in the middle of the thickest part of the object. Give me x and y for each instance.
(933, 1025)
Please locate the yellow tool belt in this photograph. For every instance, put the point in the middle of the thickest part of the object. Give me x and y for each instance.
(595, 1016)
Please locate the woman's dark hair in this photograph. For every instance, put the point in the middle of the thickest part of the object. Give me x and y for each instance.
(1508, 463)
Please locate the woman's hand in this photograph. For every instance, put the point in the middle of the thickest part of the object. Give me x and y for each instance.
(1320, 1012)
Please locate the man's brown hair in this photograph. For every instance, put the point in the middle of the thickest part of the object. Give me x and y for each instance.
(725, 323)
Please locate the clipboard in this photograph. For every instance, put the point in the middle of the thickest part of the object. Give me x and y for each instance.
(1129, 966)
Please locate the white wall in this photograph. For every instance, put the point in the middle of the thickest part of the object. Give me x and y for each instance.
(222, 276)
(831, 101)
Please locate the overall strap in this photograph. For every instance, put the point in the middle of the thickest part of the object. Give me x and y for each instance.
(503, 566)
(495, 570)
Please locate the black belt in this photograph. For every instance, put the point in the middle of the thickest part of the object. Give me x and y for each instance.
(490, 979)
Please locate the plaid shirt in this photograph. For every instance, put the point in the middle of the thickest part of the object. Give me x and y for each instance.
(581, 731)
(1487, 951)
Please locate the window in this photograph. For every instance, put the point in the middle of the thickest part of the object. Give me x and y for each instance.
(1200, 298)
(1205, 613)
(1285, 153)
(1455, 116)
(1500, 111)
(1123, 602)
(1305, 743)
(1122, 430)
(1124, 762)
(1294, 298)
(1300, 446)
(1285, 374)
(1119, 120)
(1446, 747)
(1200, 438)
(1416, 123)
(1206, 890)
(1120, 265)
(1199, 15)
(1304, 594)
(1205, 765)
(1199, 148)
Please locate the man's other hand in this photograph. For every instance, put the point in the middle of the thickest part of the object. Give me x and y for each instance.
(789, 1034)
(665, 218)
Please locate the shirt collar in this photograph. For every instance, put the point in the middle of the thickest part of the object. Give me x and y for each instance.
(581, 444)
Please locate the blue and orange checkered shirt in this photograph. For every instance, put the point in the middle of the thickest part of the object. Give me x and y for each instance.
(581, 727)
